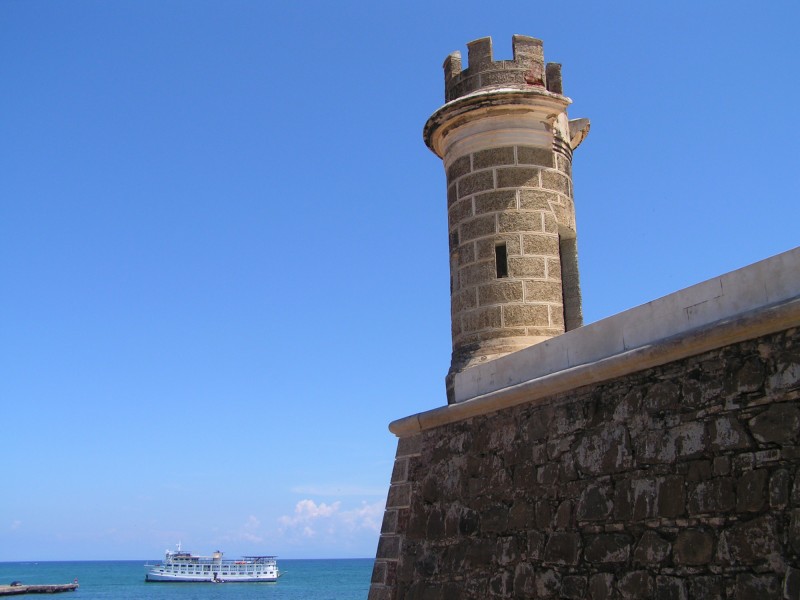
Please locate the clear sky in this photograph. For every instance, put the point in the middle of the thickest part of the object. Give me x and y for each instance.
(223, 246)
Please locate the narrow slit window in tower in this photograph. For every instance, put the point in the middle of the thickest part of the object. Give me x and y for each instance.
(501, 260)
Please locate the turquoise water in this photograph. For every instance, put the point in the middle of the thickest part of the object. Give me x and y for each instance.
(341, 579)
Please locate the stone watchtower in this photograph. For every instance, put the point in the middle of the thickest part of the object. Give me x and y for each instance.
(507, 144)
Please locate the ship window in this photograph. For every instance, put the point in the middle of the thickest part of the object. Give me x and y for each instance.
(501, 260)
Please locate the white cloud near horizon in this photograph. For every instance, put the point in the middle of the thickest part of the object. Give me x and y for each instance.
(312, 520)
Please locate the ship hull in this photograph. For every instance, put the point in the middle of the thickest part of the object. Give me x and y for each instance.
(165, 577)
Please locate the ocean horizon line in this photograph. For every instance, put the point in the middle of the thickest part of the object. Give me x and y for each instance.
(79, 560)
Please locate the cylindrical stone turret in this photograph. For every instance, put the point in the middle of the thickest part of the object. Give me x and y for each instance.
(507, 144)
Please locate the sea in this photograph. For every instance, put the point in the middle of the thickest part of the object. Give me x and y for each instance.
(335, 579)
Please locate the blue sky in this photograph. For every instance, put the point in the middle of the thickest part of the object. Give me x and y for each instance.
(223, 249)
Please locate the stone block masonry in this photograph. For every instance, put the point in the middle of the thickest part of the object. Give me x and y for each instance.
(498, 198)
(681, 481)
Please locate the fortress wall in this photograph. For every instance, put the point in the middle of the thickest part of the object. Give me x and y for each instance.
(678, 480)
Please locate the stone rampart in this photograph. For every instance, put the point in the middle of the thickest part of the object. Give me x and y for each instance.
(676, 480)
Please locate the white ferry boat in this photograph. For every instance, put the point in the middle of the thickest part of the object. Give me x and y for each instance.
(185, 566)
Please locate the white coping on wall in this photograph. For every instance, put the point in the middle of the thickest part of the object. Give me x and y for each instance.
(756, 300)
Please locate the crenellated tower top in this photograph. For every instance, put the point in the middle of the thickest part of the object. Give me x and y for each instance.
(527, 68)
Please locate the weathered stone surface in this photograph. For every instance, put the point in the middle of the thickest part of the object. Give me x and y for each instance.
(757, 587)
(573, 586)
(399, 495)
(482, 318)
(515, 222)
(689, 439)
(493, 157)
(379, 572)
(544, 291)
(494, 519)
(604, 450)
(750, 376)
(698, 470)
(388, 547)
(501, 583)
(721, 465)
(778, 423)
(562, 548)
(595, 503)
(636, 499)
(459, 167)
(654, 447)
(475, 182)
(553, 180)
(794, 530)
(563, 518)
(750, 543)
(662, 396)
(507, 551)
(751, 491)
(458, 212)
(531, 155)
(495, 201)
(452, 194)
(547, 584)
(518, 177)
(409, 446)
(379, 593)
(525, 314)
(478, 227)
(715, 496)
(671, 588)
(707, 587)
(727, 433)
(636, 585)
(550, 222)
(400, 470)
(796, 489)
(601, 586)
(779, 488)
(390, 521)
(791, 583)
(553, 264)
(534, 199)
(652, 549)
(536, 540)
(607, 548)
(540, 244)
(786, 376)
(693, 547)
(500, 292)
